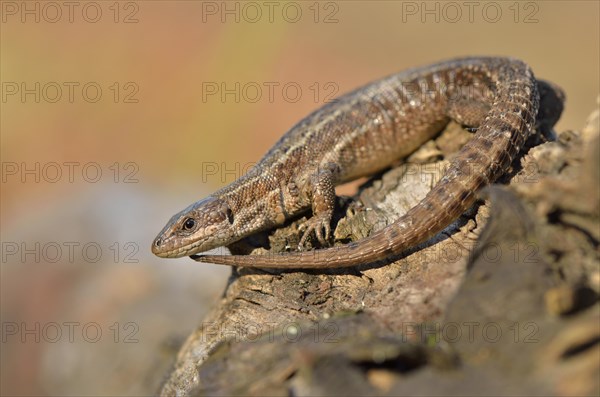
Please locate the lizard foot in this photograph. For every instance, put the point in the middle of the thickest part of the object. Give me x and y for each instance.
(321, 225)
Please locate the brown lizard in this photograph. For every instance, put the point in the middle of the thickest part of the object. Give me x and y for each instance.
(359, 134)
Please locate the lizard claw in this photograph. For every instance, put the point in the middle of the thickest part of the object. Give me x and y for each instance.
(321, 225)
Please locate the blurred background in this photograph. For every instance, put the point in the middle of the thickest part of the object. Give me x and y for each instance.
(116, 115)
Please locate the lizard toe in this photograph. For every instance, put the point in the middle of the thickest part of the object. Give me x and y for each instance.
(321, 227)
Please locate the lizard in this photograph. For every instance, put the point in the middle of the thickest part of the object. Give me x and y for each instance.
(364, 132)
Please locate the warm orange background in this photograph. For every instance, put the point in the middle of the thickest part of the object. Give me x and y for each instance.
(168, 53)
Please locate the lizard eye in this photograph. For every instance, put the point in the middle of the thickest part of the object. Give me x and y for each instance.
(189, 224)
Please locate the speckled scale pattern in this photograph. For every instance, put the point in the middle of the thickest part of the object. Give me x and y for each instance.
(365, 131)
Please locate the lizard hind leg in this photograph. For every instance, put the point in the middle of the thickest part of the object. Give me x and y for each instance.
(469, 104)
(323, 204)
(468, 112)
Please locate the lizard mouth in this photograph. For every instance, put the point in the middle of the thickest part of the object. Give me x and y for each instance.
(159, 250)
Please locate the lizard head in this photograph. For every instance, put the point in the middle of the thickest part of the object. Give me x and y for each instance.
(202, 226)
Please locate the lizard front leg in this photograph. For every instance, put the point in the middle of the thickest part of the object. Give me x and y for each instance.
(322, 188)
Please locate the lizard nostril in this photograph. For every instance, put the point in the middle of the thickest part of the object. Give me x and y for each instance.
(158, 242)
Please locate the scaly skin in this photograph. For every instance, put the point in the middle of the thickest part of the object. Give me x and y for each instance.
(359, 134)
